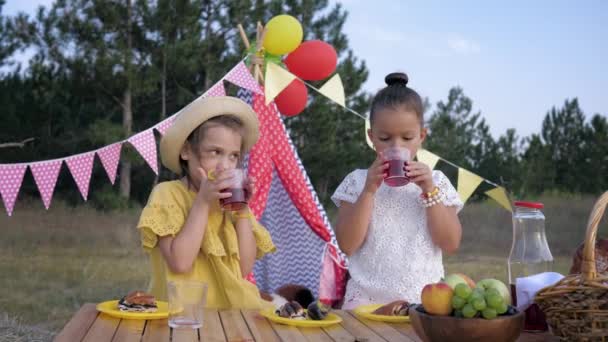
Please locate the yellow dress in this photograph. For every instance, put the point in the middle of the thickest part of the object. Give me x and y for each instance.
(217, 262)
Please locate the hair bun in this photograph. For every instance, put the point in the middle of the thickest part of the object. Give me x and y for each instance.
(396, 78)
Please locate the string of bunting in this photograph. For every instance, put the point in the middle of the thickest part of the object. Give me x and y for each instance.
(45, 172)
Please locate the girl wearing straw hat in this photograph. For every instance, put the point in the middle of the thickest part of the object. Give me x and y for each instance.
(183, 227)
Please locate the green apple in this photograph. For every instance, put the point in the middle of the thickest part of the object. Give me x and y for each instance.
(458, 278)
(487, 284)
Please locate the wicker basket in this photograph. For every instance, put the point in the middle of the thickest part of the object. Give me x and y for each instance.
(577, 306)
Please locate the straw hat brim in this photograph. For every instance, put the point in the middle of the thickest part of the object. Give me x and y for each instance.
(196, 113)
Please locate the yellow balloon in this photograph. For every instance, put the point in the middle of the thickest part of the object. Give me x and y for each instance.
(283, 34)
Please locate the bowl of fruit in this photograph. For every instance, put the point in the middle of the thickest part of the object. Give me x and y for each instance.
(465, 311)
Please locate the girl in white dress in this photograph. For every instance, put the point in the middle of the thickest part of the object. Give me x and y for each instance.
(394, 236)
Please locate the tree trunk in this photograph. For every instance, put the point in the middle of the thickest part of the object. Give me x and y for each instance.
(127, 111)
(163, 90)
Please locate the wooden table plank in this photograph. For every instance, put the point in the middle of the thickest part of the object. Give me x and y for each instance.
(212, 327)
(338, 333)
(407, 330)
(259, 326)
(288, 332)
(315, 334)
(129, 330)
(184, 335)
(103, 329)
(157, 330)
(79, 325)
(386, 331)
(357, 329)
(235, 327)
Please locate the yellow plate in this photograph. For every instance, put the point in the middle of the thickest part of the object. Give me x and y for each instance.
(111, 308)
(365, 311)
(330, 319)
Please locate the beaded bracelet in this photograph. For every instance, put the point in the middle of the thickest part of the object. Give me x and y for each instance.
(247, 215)
(432, 198)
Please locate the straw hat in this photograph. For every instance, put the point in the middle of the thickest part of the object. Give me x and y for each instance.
(199, 111)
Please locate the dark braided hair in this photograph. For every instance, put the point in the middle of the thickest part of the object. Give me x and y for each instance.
(397, 94)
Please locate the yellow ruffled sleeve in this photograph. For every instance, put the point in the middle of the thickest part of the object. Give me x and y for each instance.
(164, 214)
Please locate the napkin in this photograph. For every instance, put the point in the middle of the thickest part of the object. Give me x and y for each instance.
(527, 287)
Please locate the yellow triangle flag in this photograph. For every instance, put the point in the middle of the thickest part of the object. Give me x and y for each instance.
(334, 90)
(467, 183)
(369, 141)
(500, 195)
(276, 80)
(427, 158)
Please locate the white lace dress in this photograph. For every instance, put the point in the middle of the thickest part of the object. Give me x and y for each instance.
(398, 256)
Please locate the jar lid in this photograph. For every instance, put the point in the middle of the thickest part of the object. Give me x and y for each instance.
(533, 205)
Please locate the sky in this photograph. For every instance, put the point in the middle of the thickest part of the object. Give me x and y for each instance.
(515, 60)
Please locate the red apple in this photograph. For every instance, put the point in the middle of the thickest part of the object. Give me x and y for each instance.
(437, 299)
(457, 278)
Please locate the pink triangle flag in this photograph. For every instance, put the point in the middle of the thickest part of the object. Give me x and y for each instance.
(45, 175)
(217, 89)
(145, 144)
(81, 167)
(109, 156)
(162, 126)
(241, 77)
(11, 177)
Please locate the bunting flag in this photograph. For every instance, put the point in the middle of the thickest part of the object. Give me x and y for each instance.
(109, 156)
(81, 167)
(145, 144)
(11, 177)
(217, 90)
(499, 194)
(162, 126)
(45, 175)
(241, 77)
(427, 158)
(467, 183)
(275, 81)
(334, 90)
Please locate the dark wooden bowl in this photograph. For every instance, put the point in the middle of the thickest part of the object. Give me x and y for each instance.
(447, 329)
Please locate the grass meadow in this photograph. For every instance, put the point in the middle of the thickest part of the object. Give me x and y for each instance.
(51, 262)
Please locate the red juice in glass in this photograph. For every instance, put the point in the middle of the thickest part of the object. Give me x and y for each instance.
(396, 158)
(238, 200)
(535, 319)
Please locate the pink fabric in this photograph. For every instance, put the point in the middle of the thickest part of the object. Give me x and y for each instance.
(11, 177)
(240, 76)
(109, 156)
(217, 89)
(145, 144)
(45, 175)
(81, 167)
(162, 126)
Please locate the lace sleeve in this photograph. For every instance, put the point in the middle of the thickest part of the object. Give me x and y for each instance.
(163, 215)
(350, 188)
(451, 197)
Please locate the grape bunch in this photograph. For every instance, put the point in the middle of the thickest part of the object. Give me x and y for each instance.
(477, 302)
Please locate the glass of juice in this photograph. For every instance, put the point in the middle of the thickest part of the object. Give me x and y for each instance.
(238, 198)
(397, 158)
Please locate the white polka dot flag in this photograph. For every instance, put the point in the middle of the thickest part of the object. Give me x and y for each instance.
(240, 76)
(45, 175)
(145, 144)
(162, 126)
(217, 89)
(109, 157)
(11, 177)
(81, 167)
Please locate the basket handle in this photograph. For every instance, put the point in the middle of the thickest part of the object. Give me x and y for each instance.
(588, 268)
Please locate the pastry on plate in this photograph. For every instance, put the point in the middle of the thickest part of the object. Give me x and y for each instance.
(138, 301)
(396, 308)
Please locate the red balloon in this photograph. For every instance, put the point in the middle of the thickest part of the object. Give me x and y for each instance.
(292, 100)
(313, 60)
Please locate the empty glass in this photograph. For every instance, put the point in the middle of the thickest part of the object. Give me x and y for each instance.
(187, 300)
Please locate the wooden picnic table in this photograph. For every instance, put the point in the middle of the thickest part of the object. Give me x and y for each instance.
(237, 325)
